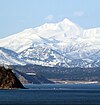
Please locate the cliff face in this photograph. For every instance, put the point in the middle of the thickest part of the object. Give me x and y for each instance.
(8, 80)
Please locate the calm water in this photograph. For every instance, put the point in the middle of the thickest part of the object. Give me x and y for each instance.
(52, 95)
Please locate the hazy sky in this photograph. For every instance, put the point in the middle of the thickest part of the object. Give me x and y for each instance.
(17, 15)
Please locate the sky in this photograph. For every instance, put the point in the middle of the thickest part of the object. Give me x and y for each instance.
(17, 15)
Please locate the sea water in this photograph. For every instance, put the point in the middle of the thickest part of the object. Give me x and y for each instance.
(52, 94)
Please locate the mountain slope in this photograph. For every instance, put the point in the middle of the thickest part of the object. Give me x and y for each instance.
(27, 78)
(9, 57)
(57, 44)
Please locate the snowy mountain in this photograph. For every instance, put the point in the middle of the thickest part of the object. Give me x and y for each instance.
(62, 30)
(56, 44)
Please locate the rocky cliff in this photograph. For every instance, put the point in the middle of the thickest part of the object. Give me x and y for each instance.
(8, 80)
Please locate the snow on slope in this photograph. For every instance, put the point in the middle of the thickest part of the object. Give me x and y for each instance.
(57, 44)
(9, 57)
(20, 41)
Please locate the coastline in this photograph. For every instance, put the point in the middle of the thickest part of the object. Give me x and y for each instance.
(57, 81)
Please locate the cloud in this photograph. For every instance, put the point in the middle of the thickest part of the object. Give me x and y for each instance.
(49, 17)
(79, 13)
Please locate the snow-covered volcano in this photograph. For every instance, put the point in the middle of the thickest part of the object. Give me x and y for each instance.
(56, 44)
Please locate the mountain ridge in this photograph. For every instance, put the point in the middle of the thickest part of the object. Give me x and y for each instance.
(56, 44)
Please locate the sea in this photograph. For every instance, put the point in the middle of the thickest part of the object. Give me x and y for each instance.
(52, 94)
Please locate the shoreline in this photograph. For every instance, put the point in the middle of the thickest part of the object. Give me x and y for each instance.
(56, 81)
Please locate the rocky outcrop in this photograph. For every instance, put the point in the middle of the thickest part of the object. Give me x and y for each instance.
(8, 80)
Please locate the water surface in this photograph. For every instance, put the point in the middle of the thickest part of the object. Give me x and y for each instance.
(52, 95)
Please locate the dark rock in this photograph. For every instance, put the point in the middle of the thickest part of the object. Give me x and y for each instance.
(8, 80)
